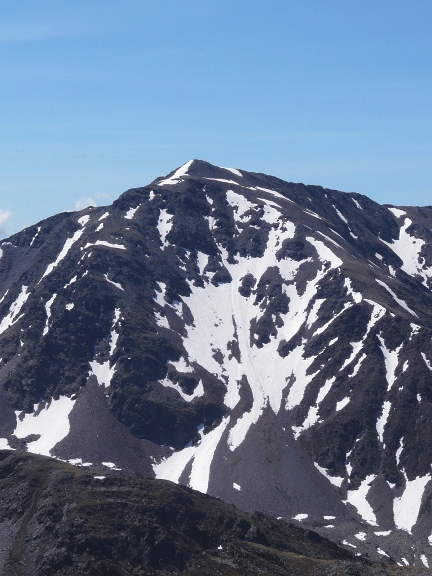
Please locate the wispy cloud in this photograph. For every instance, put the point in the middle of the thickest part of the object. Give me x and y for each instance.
(4, 217)
(84, 202)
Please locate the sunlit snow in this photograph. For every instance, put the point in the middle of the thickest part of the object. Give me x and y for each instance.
(391, 361)
(234, 171)
(408, 249)
(406, 508)
(401, 303)
(111, 465)
(382, 420)
(197, 393)
(116, 284)
(48, 313)
(340, 405)
(164, 226)
(104, 371)
(131, 213)
(67, 246)
(358, 499)
(335, 480)
(201, 455)
(33, 239)
(397, 212)
(341, 216)
(176, 177)
(312, 416)
(12, 317)
(51, 423)
(105, 243)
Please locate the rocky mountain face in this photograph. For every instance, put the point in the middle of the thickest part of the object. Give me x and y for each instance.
(265, 342)
(72, 522)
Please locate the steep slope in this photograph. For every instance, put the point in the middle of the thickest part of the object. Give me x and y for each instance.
(68, 521)
(265, 342)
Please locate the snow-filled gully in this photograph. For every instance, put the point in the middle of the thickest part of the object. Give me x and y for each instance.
(222, 315)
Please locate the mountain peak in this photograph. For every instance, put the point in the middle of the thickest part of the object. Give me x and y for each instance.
(198, 169)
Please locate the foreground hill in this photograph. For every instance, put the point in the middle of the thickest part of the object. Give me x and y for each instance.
(56, 519)
(265, 342)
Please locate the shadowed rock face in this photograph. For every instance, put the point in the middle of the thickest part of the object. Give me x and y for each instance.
(261, 341)
(58, 519)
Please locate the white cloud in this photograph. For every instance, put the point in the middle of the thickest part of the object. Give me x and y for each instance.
(84, 202)
(4, 217)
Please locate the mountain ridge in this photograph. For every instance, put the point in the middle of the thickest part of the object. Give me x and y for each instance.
(72, 521)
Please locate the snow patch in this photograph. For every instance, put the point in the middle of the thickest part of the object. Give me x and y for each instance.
(401, 303)
(382, 420)
(312, 213)
(312, 417)
(66, 247)
(51, 423)
(116, 284)
(33, 239)
(382, 552)
(397, 212)
(428, 364)
(300, 517)
(234, 171)
(103, 216)
(83, 220)
(48, 313)
(340, 405)
(391, 361)
(335, 480)
(131, 213)
(197, 393)
(406, 508)
(341, 216)
(15, 308)
(408, 249)
(105, 243)
(103, 371)
(201, 455)
(164, 226)
(358, 499)
(111, 465)
(176, 177)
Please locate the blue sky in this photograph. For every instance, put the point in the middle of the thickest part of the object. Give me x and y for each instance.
(104, 95)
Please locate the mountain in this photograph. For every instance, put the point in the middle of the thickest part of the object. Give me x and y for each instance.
(69, 521)
(261, 341)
